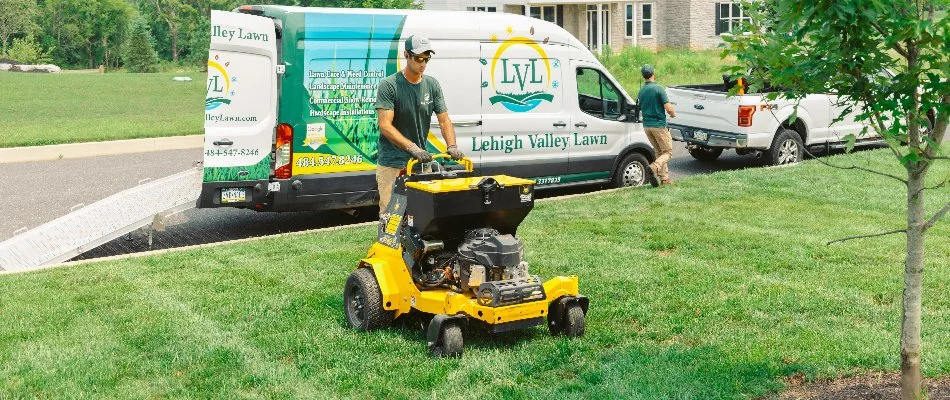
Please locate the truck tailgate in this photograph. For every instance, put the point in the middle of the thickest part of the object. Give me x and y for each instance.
(704, 109)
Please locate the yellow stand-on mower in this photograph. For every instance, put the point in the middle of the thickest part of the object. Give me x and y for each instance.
(446, 246)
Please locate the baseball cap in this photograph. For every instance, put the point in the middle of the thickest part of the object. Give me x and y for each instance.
(647, 69)
(418, 45)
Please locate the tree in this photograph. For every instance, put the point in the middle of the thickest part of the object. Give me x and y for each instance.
(16, 17)
(140, 55)
(810, 46)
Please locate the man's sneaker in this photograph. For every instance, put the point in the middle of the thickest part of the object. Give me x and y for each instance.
(651, 177)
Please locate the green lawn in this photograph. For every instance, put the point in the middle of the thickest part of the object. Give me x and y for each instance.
(40, 109)
(673, 67)
(719, 286)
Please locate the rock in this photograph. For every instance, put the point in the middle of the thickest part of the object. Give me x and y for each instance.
(45, 68)
(49, 68)
(5, 66)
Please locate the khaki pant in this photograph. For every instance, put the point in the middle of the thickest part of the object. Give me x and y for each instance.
(385, 178)
(662, 141)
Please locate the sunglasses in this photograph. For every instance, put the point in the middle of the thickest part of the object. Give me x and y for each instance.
(420, 58)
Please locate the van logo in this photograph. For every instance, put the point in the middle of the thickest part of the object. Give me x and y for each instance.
(219, 84)
(522, 83)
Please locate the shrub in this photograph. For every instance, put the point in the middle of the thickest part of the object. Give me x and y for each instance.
(28, 51)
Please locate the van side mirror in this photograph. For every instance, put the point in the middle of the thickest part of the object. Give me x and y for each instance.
(632, 113)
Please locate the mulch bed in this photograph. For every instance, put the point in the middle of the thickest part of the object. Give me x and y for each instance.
(872, 386)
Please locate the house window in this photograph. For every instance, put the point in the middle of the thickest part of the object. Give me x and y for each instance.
(552, 14)
(629, 20)
(488, 9)
(646, 20)
(729, 16)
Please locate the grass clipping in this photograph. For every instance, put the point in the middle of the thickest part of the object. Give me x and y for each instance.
(719, 286)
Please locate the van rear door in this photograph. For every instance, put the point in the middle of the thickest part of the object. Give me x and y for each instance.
(240, 110)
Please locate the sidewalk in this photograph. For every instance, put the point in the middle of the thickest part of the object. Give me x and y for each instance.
(92, 149)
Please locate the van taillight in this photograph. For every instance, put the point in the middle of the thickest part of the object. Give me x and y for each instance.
(284, 151)
(745, 115)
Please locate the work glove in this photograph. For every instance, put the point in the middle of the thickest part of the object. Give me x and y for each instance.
(419, 154)
(453, 151)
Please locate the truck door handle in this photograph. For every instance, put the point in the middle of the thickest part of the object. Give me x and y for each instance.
(581, 124)
(698, 106)
(560, 124)
(223, 142)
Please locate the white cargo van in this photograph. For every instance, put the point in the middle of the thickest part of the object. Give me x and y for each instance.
(290, 123)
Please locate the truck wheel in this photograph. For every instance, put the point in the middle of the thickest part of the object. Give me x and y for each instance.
(574, 321)
(450, 342)
(703, 153)
(632, 171)
(363, 302)
(786, 148)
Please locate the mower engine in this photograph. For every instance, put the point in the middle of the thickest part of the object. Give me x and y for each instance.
(487, 264)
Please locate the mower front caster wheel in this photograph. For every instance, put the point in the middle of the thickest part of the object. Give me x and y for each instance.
(570, 323)
(363, 302)
(450, 341)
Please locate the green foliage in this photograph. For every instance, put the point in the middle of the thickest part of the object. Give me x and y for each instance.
(16, 17)
(726, 306)
(28, 51)
(140, 53)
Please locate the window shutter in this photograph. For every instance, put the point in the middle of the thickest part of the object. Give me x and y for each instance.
(524, 11)
(560, 15)
(718, 20)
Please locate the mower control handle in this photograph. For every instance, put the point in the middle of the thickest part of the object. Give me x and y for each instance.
(469, 166)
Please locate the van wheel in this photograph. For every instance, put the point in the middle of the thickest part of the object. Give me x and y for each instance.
(786, 148)
(703, 153)
(363, 302)
(632, 171)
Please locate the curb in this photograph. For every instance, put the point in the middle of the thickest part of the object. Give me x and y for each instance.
(93, 149)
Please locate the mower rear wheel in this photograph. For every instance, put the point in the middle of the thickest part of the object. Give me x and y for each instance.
(363, 302)
(574, 321)
(450, 342)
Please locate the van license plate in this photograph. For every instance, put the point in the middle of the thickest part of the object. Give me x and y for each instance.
(233, 195)
(700, 135)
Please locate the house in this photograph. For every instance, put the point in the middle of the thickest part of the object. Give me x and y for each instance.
(655, 24)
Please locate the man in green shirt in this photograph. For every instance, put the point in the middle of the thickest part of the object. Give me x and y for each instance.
(405, 102)
(654, 105)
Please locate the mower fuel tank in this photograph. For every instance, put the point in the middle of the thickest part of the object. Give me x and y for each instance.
(446, 208)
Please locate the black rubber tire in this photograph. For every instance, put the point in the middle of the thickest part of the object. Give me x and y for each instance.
(703, 153)
(450, 341)
(632, 171)
(574, 321)
(363, 302)
(786, 148)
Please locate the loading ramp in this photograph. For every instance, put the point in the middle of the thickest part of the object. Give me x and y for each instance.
(96, 224)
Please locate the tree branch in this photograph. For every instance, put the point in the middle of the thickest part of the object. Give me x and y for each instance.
(933, 220)
(897, 46)
(867, 236)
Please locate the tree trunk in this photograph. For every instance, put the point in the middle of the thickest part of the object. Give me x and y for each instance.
(913, 286)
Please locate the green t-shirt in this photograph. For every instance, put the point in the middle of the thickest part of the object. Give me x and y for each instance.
(412, 105)
(651, 98)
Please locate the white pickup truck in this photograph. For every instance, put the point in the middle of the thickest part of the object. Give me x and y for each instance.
(709, 121)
